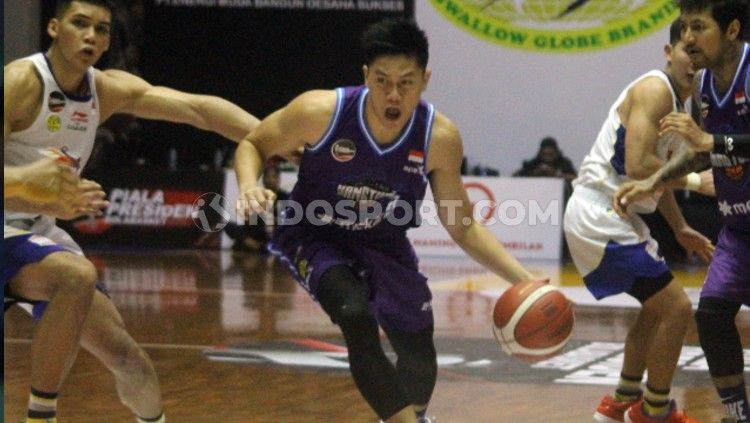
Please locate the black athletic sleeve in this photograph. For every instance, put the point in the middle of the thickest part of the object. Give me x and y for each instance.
(735, 145)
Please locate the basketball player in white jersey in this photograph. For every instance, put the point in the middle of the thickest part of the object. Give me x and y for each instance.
(36, 268)
(55, 100)
(617, 255)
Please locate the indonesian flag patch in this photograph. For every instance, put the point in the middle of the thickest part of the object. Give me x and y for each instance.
(739, 97)
(416, 156)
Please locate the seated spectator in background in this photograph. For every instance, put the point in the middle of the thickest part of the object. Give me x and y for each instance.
(253, 236)
(549, 161)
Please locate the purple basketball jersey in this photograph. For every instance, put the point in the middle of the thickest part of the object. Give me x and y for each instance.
(351, 186)
(729, 113)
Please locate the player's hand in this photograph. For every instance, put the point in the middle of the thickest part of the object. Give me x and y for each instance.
(707, 183)
(93, 198)
(631, 192)
(49, 181)
(684, 125)
(256, 200)
(695, 243)
(88, 199)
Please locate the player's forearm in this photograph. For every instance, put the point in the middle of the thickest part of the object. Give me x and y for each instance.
(736, 145)
(13, 184)
(679, 166)
(226, 118)
(248, 164)
(644, 167)
(486, 250)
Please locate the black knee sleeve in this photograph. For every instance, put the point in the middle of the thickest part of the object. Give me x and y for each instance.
(719, 337)
(345, 298)
(416, 363)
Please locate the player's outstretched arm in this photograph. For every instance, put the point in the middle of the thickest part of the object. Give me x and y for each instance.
(122, 92)
(455, 209)
(283, 133)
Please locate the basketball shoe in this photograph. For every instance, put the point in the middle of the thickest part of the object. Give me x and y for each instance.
(635, 414)
(611, 411)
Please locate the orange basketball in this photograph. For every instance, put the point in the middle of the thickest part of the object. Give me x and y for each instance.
(533, 321)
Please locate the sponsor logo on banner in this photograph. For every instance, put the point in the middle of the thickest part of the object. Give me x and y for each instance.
(480, 192)
(559, 26)
(343, 150)
(150, 207)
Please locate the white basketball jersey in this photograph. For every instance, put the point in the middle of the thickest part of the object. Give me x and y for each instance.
(65, 124)
(603, 169)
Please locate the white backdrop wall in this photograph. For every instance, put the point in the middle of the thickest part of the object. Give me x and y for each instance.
(504, 101)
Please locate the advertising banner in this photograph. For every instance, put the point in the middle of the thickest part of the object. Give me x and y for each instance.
(151, 208)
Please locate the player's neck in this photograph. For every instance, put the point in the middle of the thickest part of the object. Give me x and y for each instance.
(726, 68)
(682, 91)
(67, 77)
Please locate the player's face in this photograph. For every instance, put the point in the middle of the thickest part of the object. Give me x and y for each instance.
(705, 42)
(681, 66)
(82, 35)
(396, 84)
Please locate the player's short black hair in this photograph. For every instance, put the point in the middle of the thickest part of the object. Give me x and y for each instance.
(675, 31)
(63, 5)
(723, 11)
(392, 37)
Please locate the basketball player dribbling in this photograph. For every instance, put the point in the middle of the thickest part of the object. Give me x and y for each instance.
(369, 153)
(617, 255)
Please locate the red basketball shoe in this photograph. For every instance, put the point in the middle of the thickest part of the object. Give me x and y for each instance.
(611, 411)
(635, 414)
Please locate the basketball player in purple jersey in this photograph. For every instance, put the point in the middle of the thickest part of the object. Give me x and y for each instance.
(711, 32)
(56, 100)
(369, 153)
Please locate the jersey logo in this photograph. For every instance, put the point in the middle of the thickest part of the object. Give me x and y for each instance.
(343, 150)
(80, 117)
(54, 123)
(56, 101)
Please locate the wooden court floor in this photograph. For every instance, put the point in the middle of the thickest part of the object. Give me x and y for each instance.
(234, 339)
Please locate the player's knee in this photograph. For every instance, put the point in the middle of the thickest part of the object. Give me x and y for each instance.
(671, 303)
(72, 275)
(355, 314)
(717, 332)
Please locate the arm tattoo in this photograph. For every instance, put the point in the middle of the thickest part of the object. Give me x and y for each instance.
(683, 163)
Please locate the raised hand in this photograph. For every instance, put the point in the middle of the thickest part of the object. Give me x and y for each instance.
(684, 125)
